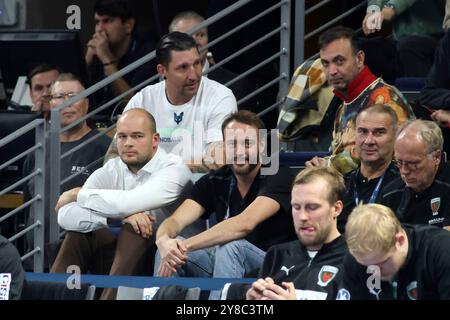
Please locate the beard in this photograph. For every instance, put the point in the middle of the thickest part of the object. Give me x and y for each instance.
(244, 170)
(318, 240)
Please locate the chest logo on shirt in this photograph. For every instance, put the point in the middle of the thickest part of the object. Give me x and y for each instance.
(285, 269)
(76, 169)
(411, 290)
(178, 117)
(435, 204)
(326, 274)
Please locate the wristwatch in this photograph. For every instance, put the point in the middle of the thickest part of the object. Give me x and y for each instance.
(373, 8)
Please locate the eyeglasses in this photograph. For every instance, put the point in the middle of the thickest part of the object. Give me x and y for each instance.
(60, 97)
(411, 165)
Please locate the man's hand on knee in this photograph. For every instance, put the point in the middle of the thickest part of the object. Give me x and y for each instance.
(173, 255)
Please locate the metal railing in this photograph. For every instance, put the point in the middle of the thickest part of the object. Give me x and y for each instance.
(301, 16)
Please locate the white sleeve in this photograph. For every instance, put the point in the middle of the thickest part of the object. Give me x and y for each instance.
(161, 189)
(221, 110)
(101, 178)
(72, 217)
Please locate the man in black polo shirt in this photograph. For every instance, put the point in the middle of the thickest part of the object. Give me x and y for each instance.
(113, 46)
(252, 211)
(425, 199)
(388, 260)
(377, 174)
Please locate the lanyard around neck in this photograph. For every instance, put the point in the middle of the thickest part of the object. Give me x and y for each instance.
(375, 192)
(230, 192)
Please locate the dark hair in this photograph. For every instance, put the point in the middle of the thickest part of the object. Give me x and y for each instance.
(41, 68)
(174, 41)
(114, 8)
(244, 116)
(336, 33)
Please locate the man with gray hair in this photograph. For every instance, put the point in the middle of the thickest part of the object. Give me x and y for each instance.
(418, 154)
(376, 175)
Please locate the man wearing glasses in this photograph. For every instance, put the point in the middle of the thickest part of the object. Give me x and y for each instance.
(65, 87)
(418, 154)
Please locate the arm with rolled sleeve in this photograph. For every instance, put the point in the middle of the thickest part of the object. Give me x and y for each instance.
(161, 189)
(400, 5)
(72, 217)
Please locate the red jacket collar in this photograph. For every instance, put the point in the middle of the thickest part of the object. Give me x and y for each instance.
(361, 82)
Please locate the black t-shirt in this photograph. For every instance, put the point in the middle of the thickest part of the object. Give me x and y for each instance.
(76, 161)
(213, 193)
(80, 159)
(424, 275)
(431, 206)
(136, 50)
(365, 188)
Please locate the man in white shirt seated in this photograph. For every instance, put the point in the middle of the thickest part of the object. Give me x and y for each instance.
(188, 108)
(131, 188)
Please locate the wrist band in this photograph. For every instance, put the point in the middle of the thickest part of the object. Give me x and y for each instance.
(109, 63)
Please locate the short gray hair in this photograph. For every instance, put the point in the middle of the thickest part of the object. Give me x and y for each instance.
(184, 15)
(428, 130)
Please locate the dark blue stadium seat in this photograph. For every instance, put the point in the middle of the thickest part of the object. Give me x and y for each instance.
(410, 84)
(298, 159)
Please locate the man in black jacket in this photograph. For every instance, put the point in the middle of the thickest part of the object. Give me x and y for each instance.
(424, 199)
(308, 268)
(390, 261)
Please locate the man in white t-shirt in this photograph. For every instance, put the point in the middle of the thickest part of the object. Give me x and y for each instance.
(189, 109)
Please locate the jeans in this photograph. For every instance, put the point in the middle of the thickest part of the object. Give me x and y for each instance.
(234, 259)
(231, 260)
